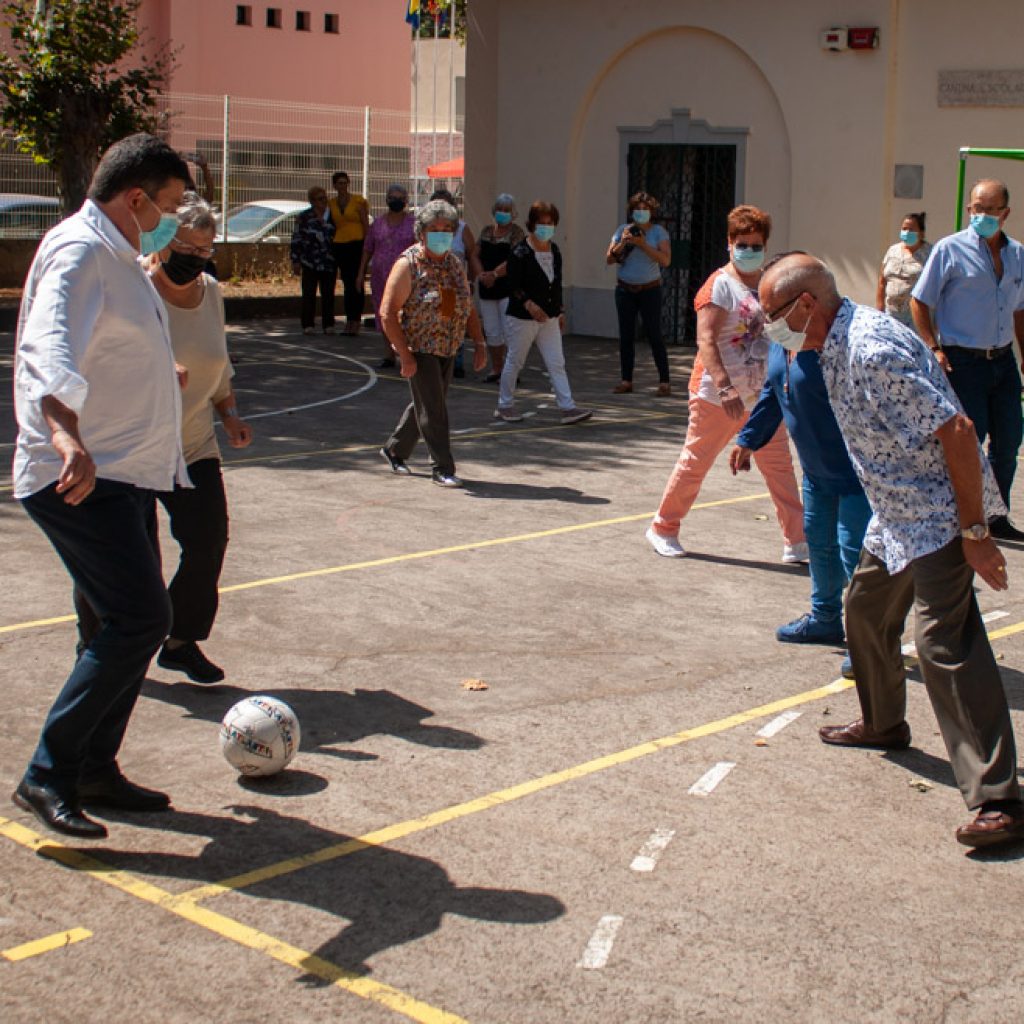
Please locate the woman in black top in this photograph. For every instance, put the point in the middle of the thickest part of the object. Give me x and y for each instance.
(496, 242)
(535, 315)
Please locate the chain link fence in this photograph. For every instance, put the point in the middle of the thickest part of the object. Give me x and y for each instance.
(245, 151)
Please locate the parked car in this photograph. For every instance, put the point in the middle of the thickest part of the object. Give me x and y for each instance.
(266, 220)
(24, 216)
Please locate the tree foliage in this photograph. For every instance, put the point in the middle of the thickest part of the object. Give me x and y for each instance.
(441, 11)
(76, 80)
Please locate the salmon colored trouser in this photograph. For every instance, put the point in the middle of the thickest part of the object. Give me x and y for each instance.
(709, 430)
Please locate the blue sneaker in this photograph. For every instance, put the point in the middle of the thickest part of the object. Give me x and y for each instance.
(808, 630)
(847, 668)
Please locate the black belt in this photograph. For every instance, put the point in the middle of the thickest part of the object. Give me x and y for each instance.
(639, 287)
(981, 353)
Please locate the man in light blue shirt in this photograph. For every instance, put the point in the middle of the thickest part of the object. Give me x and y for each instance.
(931, 492)
(968, 307)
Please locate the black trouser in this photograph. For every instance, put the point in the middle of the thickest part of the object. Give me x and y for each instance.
(348, 256)
(199, 523)
(311, 281)
(426, 415)
(648, 304)
(108, 544)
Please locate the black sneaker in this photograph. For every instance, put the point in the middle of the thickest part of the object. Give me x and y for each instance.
(189, 659)
(1002, 529)
(396, 464)
(445, 479)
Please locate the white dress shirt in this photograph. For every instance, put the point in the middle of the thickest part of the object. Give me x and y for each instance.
(92, 333)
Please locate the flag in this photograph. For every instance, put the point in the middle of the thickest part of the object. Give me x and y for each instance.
(412, 14)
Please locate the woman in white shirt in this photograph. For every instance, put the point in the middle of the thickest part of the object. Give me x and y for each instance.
(198, 515)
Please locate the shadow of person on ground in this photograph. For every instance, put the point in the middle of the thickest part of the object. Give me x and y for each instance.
(326, 717)
(799, 569)
(387, 897)
(530, 492)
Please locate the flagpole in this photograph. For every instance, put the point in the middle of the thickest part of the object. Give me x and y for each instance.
(415, 117)
(433, 122)
(451, 80)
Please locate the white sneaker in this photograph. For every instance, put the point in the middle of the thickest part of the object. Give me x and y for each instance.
(794, 553)
(667, 547)
(508, 415)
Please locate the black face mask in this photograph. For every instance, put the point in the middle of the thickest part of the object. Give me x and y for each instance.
(182, 269)
(396, 205)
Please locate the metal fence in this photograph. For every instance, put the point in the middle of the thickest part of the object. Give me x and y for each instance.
(269, 150)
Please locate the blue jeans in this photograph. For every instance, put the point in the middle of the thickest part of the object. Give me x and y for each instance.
(109, 545)
(834, 525)
(989, 391)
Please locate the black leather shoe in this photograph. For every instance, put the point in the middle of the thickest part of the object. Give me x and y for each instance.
(1002, 529)
(117, 791)
(55, 812)
(189, 659)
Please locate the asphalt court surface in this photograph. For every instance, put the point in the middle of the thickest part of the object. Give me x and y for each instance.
(601, 833)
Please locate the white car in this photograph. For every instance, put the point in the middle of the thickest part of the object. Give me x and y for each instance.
(266, 220)
(24, 216)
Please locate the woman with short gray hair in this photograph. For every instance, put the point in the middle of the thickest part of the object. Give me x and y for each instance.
(427, 309)
(496, 242)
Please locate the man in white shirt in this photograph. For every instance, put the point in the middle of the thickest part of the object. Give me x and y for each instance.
(99, 431)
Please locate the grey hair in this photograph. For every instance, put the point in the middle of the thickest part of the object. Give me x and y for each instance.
(504, 199)
(196, 213)
(436, 209)
(395, 187)
(800, 273)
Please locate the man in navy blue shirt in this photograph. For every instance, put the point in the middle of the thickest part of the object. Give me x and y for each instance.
(968, 306)
(836, 512)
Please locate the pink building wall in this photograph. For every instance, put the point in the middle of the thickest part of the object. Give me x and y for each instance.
(367, 63)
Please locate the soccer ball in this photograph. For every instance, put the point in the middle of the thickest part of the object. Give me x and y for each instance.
(259, 735)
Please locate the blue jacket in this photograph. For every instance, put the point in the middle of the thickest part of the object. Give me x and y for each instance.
(794, 391)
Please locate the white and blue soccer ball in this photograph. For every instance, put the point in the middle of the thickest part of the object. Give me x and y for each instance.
(259, 735)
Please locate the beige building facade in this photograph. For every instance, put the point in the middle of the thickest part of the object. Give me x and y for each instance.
(708, 104)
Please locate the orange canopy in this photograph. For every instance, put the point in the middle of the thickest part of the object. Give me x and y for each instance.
(449, 169)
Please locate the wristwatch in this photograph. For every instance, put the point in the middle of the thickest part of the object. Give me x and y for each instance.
(979, 531)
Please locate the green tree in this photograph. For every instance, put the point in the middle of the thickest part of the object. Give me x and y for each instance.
(77, 78)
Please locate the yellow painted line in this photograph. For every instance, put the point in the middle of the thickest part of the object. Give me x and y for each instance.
(506, 796)
(413, 556)
(51, 942)
(228, 928)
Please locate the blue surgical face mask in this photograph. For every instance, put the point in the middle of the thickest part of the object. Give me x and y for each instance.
(641, 216)
(544, 232)
(747, 260)
(984, 224)
(439, 242)
(160, 236)
(909, 237)
(502, 217)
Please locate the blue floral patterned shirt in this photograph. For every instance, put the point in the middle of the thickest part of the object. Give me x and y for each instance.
(890, 396)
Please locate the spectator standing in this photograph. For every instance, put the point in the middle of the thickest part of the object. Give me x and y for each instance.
(312, 257)
(496, 243)
(901, 267)
(931, 491)
(536, 316)
(99, 432)
(640, 249)
(389, 236)
(463, 246)
(968, 306)
(350, 214)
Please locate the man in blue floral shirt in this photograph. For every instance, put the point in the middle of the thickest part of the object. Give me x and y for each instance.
(932, 494)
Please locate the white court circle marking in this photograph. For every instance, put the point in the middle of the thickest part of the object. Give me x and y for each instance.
(599, 948)
(647, 857)
(711, 778)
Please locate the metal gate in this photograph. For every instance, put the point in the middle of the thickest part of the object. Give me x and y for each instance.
(696, 187)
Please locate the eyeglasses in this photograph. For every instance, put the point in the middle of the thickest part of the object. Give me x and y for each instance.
(744, 247)
(992, 211)
(778, 312)
(192, 250)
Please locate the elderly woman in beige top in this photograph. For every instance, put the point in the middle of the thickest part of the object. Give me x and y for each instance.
(198, 515)
(901, 267)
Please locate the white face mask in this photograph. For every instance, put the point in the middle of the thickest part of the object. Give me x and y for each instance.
(782, 334)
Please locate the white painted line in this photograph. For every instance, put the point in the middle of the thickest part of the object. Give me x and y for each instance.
(707, 782)
(599, 948)
(910, 650)
(649, 853)
(778, 724)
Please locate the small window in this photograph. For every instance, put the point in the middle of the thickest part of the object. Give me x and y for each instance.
(302, 21)
(331, 24)
(273, 17)
(243, 14)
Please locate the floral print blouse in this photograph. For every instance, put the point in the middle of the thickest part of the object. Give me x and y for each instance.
(434, 316)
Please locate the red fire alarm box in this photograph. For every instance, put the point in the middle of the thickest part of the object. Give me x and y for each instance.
(862, 38)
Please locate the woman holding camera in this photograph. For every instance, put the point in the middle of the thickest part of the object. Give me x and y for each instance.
(641, 250)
